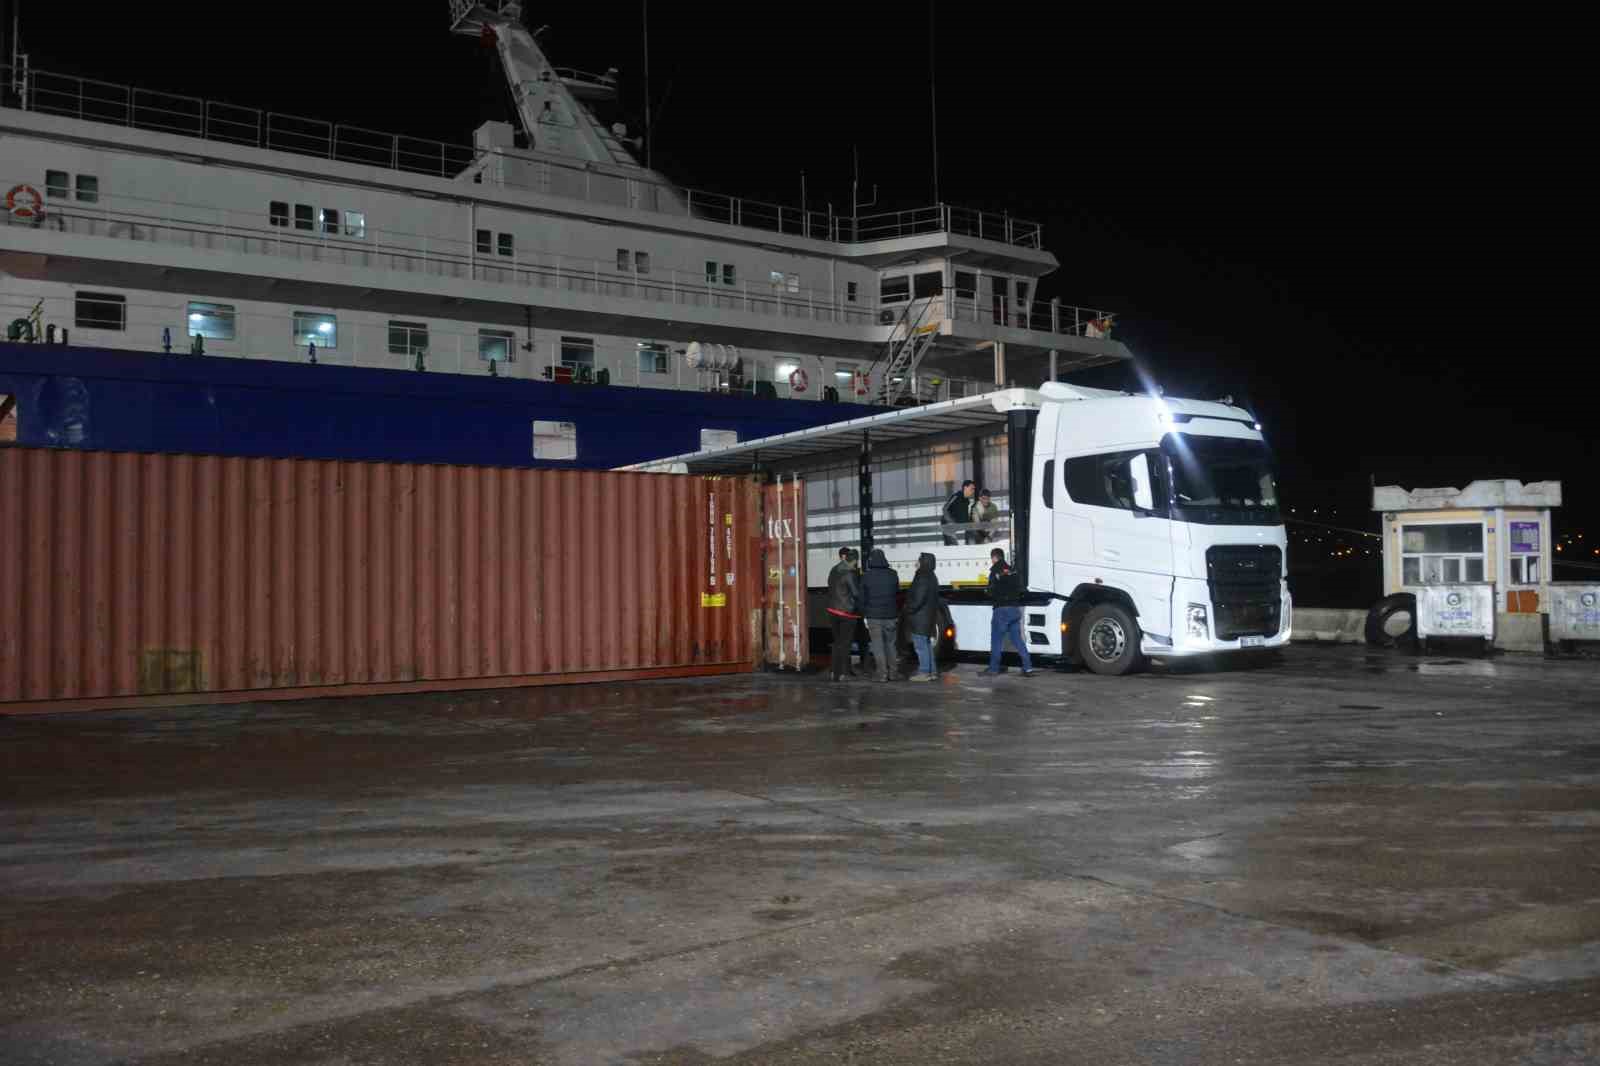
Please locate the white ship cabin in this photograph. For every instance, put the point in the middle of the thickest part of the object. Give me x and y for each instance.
(149, 222)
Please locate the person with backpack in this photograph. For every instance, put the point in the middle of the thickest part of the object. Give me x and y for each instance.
(1005, 592)
(880, 606)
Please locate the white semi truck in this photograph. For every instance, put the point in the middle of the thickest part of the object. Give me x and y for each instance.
(1141, 525)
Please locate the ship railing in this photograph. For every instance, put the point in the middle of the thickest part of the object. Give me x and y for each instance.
(191, 116)
(153, 323)
(1039, 316)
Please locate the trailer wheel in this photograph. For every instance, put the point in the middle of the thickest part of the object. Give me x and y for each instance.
(1108, 639)
(1392, 622)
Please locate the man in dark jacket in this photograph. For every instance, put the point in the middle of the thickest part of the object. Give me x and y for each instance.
(958, 511)
(880, 594)
(844, 609)
(922, 616)
(1005, 592)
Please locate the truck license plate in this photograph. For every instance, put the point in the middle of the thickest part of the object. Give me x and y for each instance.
(1252, 642)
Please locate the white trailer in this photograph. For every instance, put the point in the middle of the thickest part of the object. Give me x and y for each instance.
(1142, 526)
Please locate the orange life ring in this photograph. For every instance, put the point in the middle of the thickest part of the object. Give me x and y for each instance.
(24, 201)
(798, 379)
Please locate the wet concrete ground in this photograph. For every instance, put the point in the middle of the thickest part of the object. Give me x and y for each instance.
(1338, 857)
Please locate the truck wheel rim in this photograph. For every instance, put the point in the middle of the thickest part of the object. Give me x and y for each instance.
(1107, 641)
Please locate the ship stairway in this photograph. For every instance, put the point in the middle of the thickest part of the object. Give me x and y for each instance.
(911, 340)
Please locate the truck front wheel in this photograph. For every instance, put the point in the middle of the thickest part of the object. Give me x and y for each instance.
(1108, 639)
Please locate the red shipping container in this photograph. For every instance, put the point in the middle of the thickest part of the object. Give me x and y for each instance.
(162, 579)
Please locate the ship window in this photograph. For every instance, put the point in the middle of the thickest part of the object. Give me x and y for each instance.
(554, 440)
(303, 215)
(408, 338)
(894, 290)
(314, 327)
(624, 260)
(577, 351)
(850, 291)
(278, 213)
(330, 221)
(654, 358)
(100, 310)
(728, 275)
(794, 282)
(929, 283)
(711, 272)
(966, 285)
(485, 242)
(505, 246)
(56, 184)
(641, 262)
(776, 277)
(88, 188)
(211, 320)
(355, 224)
(496, 345)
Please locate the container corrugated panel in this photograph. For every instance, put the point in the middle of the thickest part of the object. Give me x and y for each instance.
(134, 575)
(788, 636)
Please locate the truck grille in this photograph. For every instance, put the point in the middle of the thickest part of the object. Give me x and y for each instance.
(1245, 584)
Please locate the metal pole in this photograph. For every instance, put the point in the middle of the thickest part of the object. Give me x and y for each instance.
(864, 494)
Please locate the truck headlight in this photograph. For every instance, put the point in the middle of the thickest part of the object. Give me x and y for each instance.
(1199, 628)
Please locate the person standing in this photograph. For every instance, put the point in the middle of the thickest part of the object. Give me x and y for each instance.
(844, 609)
(922, 616)
(1005, 591)
(983, 513)
(958, 510)
(880, 595)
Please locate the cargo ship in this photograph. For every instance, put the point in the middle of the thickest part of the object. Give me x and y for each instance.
(181, 274)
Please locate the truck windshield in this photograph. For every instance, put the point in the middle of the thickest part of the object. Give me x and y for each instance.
(1222, 480)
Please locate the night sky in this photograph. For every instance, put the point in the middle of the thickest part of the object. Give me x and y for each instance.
(1364, 229)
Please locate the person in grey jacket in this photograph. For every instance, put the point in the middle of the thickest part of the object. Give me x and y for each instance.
(880, 605)
(922, 616)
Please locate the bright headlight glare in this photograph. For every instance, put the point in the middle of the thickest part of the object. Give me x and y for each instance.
(1199, 628)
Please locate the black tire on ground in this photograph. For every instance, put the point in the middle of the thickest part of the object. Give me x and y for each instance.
(1392, 622)
(1108, 639)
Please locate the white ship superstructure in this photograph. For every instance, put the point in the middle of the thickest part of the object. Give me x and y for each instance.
(149, 222)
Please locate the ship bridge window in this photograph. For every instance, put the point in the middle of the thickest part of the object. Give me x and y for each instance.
(211, 320)
(496, 345)
(654, 358)
(850, 292)
(314, 327)
(330, 221)
(485, 242)
(895, 290)
(728, 275)
(641, 262)
(88, 188)
(577, 351)
(929, 283)
(624, 260)
(355, 224)
(304, 215)
(57, 184)
(278, 213)
(966, 285)
(505, 245)
(100, 310)
(711, 272)
(408, 338)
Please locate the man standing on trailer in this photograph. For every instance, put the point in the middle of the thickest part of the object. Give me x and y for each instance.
(958, 510)
(1005, 591)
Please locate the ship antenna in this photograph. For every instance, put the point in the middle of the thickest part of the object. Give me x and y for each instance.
(648, 104)
(933, 95)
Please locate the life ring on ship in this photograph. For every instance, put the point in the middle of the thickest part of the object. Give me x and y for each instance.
(24, 202)
(798, 379)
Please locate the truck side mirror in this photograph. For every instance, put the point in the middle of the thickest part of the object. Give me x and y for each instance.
(1139, 470)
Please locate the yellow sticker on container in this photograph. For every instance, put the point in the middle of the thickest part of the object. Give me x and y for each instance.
(727, 519)
(713, 599)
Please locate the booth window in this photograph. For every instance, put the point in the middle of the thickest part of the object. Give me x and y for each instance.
(1523, 553)
(1441, 553)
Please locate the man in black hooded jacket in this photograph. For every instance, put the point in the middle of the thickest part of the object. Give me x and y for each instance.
(922, 616)
(880, 606)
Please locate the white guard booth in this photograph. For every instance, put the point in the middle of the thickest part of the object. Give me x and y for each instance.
(1490, 539)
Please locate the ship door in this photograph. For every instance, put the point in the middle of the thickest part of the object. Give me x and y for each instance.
(1000, 290)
